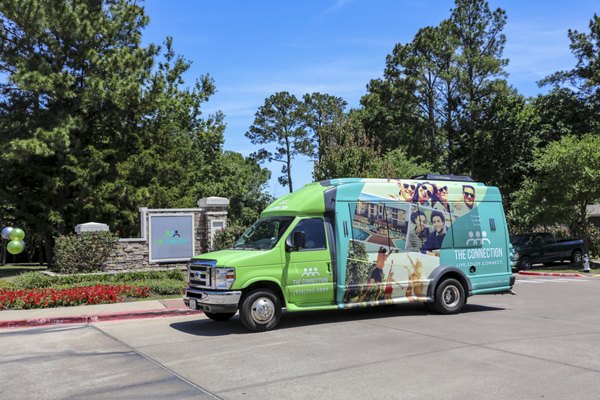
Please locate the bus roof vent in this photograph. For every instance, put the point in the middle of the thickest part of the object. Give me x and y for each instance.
(439, 177)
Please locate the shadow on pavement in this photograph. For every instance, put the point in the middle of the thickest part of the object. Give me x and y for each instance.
(206, 327)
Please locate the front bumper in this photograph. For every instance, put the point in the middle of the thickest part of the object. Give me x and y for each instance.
(212, 300)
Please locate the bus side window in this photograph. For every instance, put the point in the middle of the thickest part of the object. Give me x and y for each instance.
(314, 232)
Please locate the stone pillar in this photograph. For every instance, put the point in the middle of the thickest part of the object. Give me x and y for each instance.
(215, 219)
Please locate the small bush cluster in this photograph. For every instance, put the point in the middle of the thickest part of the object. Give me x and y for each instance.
(48, 297)
(87, 252)
(225, 238)
(593, 242)
(162, 283)
(36, 280)
(5, 284)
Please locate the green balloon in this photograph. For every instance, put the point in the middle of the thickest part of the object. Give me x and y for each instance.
(17, 234)
(15, 246)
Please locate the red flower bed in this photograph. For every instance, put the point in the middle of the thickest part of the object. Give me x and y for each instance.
(42, 298)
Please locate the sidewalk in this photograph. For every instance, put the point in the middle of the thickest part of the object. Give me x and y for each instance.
(94, 313)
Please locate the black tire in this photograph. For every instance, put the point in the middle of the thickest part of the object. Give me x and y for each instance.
(219, 316)
(525, 263)
(449, 297)
(260, 310)
(577, 257)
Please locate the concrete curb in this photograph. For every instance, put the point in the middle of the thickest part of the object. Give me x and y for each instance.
(571, 274)
(86, 319)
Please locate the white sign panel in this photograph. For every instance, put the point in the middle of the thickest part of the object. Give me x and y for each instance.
(171, 237)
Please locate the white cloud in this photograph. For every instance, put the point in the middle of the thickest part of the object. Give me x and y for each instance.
(337, 6)
(536, 54)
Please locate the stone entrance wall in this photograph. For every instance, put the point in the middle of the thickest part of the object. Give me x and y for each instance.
(134, 253)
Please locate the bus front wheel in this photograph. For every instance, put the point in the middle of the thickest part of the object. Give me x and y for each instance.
(260, 310)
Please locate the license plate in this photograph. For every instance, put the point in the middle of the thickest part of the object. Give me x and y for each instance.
(193, 304)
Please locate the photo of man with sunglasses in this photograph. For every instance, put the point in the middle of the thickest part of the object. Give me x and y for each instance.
(460, 208)
(469, 196)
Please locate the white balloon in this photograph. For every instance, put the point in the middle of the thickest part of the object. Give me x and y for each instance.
(6, 232)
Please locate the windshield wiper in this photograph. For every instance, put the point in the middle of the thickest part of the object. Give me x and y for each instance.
(246, 247)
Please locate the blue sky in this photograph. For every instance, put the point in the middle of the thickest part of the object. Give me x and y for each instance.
(253, 49)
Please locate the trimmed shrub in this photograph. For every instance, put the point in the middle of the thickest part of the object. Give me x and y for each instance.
(225, 238)
(30, 280)
(87, 252)
(5, 284)
(593, 242)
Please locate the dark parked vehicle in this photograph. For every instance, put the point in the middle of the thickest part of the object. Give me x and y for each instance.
(535, 248)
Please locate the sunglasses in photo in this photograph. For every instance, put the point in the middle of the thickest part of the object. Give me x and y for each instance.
(428, 191)
(469, 195)
(406, 186)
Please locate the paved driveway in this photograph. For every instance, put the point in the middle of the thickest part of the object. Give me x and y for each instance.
(543, 343)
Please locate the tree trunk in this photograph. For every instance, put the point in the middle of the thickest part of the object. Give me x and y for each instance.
(432, 134)
(48, 250)
(289, 162)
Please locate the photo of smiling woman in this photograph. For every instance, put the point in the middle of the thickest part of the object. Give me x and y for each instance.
(424, 194)
(440, 199)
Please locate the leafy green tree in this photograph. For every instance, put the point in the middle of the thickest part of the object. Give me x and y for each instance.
(243, 182)
(506, 139)
(564, 183)
(94, 125)
(281, 120)
(390, 111)
(448, 98)
(562, 112)
(74, 75)
(432, 98)
(397, 164)
(585, 77)
(479, 63)
(352, 155)
(322, 112)
(573, 105)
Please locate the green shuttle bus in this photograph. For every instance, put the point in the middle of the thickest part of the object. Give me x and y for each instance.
(347, 243)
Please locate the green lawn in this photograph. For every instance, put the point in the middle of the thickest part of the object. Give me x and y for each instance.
(567, 267)
(9, 271)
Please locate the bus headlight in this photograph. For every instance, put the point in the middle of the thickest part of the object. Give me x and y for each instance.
(224, 278)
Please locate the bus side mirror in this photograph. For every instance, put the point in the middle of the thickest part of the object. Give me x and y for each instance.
(295, 242)
(299, 239)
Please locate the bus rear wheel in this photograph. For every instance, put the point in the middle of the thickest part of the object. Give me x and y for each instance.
(449, 297)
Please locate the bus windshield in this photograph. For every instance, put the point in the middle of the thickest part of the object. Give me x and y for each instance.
(263, 234)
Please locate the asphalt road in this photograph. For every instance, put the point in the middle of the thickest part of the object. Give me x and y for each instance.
(543, 343)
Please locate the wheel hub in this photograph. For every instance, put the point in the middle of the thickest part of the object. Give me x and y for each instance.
(263, 310)
(451, 296)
